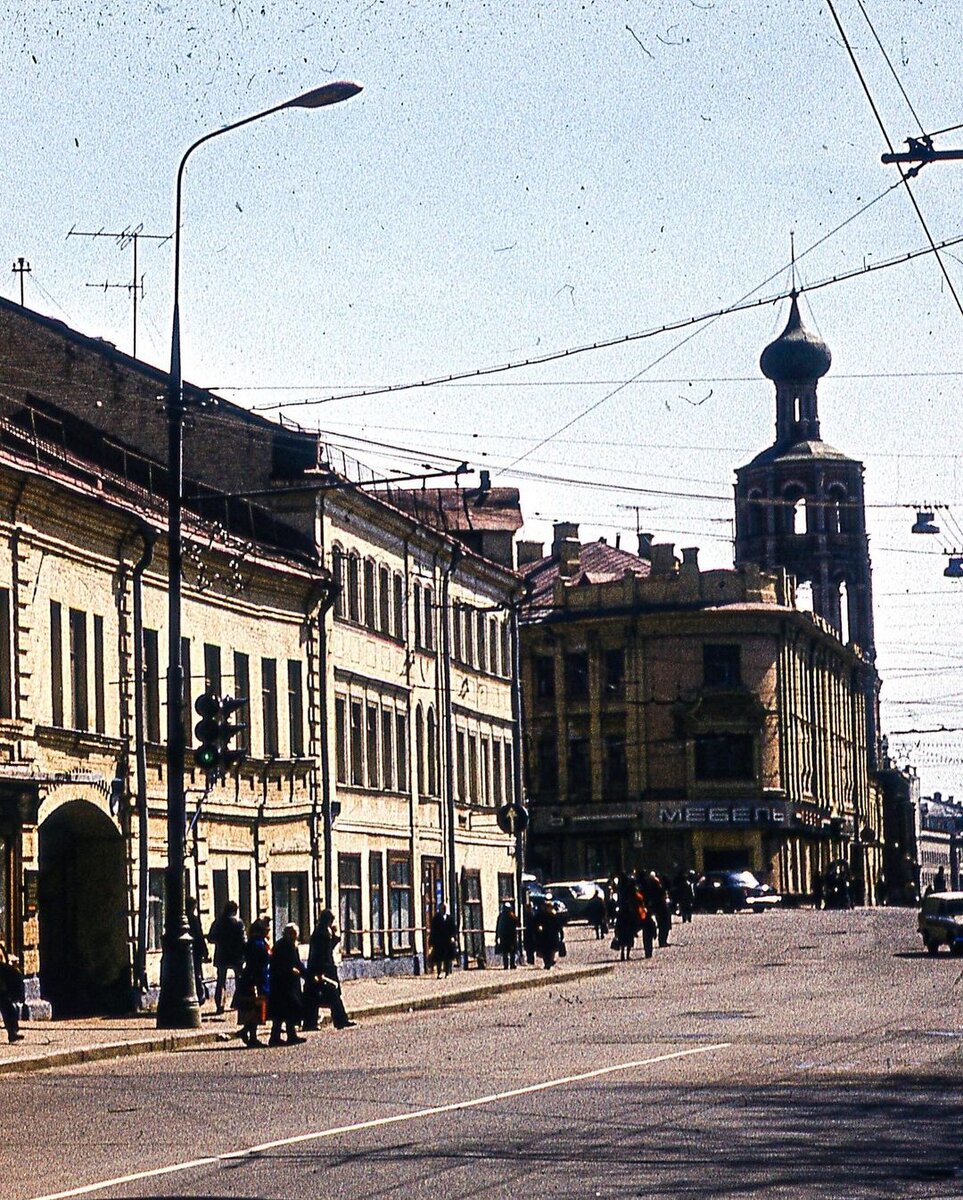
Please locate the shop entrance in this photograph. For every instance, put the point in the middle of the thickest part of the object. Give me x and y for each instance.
(84, 965)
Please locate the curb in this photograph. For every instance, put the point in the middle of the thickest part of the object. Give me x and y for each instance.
(187, 1040)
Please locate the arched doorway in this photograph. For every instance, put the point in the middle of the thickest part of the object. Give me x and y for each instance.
(84, 963)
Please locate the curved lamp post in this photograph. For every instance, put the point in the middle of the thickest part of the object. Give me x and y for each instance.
(178, 1007)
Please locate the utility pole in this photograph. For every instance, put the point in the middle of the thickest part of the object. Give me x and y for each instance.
(21, 267)
(921, 151)
(127, 237)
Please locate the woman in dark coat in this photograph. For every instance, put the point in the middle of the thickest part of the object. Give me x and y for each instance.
(284, 1000)
(322, 984)
(506, 935)
(628, 918)
(251, 994)
(548, 934)
(442, 940)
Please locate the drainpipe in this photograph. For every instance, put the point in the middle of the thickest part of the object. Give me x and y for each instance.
(149, 537)
(448, 717)
(324, 727)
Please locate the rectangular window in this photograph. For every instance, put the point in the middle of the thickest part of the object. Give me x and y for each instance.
(493, 646)
(219, 880)
(337, 568)
(387, 749)
(401, 750)
(80, 718)
(460, 766)
(615, 776)
(354, 587)
(376, 898)
(484, 761)
(155, 908)
(152, 709)
(212, 669)
(6, 657)
(289, 902)
(187, 696)
(400, 907)
(384, 594)
(56, 664)
(269, 706)
(473, 768)
(506, 886)
(399, 606)
(349, 902)
(100, 698)
(544, 670)
(357, 745)
(721, 666)
(482, 642)
(509, 772)
(295, 710)
(508, 666)
(417, 607)
(244, 896)
(576, 675)
(242, 691)
(471, 896)
(456, 633)
(613, 674)
(370, 615)
(429, 619)
(547, 755)
(579, 769)
(371, 731)
(723, 757)
(499, 795)
(340, 741)
(469, 640)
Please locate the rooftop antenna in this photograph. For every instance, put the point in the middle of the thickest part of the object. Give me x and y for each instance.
(21, 267)
(127, 237)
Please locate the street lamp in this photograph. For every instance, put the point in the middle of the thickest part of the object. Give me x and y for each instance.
(177, 1007)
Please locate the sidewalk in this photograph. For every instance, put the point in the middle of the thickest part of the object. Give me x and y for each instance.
(49, 1044)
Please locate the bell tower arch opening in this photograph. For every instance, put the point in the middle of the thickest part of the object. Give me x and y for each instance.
(84, 955)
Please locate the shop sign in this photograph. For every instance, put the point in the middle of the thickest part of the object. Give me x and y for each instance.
(687, 815)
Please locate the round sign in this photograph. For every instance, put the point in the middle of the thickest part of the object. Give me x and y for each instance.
(512, 818)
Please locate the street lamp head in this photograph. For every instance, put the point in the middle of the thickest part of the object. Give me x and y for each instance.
(328, 93)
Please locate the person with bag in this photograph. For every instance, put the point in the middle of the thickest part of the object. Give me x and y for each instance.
(506, 935)
(12, 994)
(284, 996)
(251, 995)
(322, 985)
(226, 935)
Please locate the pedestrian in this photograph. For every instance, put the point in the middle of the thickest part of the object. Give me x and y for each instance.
(549, 938)
(628, 922)
(253, 986)
(12, 994)
(284, 994)
(596, 914)
(939, 879)
(442, 940)
(683, 894)
(226, 935)
(506, 935)
(322, 983)
(199, 948)
(657, 904)
(528, 932)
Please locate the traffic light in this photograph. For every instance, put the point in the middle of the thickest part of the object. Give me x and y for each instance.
(208, 732)
(230, 756)
(215, 731)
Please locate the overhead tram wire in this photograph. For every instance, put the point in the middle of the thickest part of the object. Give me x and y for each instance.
(623, 339)
(904, 176)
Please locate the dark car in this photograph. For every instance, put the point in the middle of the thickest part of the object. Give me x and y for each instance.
(575, 896)
(941, 921)
(535, 892)
(730, 891)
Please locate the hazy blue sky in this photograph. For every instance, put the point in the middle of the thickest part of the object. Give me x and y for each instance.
(514, 179)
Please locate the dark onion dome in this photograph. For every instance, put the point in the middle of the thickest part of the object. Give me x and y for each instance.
(796, 356)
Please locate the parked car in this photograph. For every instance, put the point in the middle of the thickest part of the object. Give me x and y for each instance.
(575, 895)
(730, 891)
(941, 921)
(536, 892)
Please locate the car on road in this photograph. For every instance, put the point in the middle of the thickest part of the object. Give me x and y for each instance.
(536, 893)
(730, 891)
(940, 921)
(575, 895)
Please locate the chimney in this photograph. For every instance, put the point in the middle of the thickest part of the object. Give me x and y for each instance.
(562, 531)
(645, 545)
(568, 555)
(662, 557)
(690, 558)
(484, 482)
(529, 552)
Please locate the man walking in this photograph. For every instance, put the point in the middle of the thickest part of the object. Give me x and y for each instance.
(226, 935)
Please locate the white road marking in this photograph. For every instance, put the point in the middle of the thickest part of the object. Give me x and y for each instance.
(378, 1123)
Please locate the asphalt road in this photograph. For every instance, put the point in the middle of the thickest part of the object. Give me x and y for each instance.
(787, 1054)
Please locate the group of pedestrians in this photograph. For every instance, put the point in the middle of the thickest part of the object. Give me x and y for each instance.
(641, 903)
(271, 983)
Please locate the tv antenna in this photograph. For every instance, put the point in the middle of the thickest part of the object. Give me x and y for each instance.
(126, 237)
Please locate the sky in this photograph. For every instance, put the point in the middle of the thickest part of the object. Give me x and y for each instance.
(517, 180)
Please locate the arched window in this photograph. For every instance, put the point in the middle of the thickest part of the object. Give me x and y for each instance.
(417, 606)
(482, 642)
(370, 610)
(337, 570)
(420, 749)
(354, 586)
(794, 509)
(835, 510)
(844, 631)
(469, 642)
(384, 591)
(456, 632)
(432, 753)
(804, 596)
(399, 606)
(429, 624)
(493, 645)
(508, 668)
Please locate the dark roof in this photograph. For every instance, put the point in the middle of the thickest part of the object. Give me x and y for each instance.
(805, 450)
(457, 510)
(598, 562)
(796, 356)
